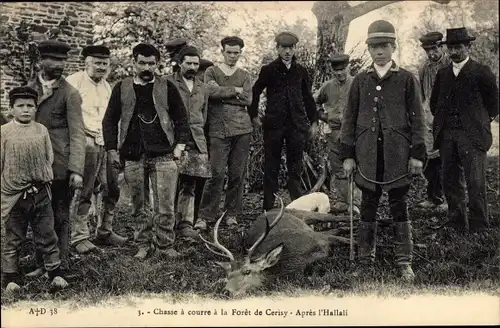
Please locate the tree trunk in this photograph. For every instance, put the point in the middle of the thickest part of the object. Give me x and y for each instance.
(333, 19)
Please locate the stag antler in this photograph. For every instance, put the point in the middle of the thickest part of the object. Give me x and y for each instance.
(268, 228)
(216, 243)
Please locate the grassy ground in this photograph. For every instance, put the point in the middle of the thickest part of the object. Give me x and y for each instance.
(444, 262)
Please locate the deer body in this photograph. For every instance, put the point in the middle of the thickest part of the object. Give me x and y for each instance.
(281, 248)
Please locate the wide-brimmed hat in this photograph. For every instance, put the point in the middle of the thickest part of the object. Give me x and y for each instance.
(457, 35)
(380, 31)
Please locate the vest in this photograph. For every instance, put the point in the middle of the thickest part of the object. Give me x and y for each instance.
(161, 106)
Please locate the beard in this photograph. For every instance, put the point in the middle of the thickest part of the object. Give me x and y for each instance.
(190, 74)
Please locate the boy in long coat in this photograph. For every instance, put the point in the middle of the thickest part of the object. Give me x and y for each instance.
(382, 136)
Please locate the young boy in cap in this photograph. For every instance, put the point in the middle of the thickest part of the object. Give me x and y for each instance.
(331, 99)
(437, 59)
(382, 137)
(291, 116)
(230, 130)
(26, 169)
(95, 92)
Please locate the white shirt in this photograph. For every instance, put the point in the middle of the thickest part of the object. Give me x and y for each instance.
(95, 98)
(457, 67)
(288, 64)
(382, 70)
(46, 85)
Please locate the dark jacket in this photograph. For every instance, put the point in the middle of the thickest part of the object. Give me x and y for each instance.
(121, 109)
(395, 111)
(196, 103)
(289, 96)
(476, 93)
(61, 113)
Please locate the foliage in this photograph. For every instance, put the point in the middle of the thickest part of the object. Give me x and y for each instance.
(122, 25)
(18, 51)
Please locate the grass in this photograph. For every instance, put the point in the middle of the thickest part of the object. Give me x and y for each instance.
(444, 262)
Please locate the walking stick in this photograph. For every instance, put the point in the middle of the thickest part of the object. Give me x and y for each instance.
(351, 191)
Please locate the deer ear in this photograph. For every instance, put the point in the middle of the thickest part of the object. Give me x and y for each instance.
(272, 257)
(225, 265)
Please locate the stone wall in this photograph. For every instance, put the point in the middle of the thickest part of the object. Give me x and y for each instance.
(74, 20)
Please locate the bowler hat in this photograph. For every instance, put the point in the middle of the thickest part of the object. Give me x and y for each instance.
(431, 39)
(339, 61)
(146, 50)
(457, 35)
(380, 31)
(98, 51)
(22, 92)
(54, 48)
(232, 41)
(286, 39)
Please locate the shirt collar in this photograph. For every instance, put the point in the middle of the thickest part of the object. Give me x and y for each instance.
(87, 76)
(141, 82)
(47, 84)
(461, 64)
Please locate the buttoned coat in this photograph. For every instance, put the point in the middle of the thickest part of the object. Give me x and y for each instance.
(289, 96)
(476, 93)
(60, 112)
(391, 105)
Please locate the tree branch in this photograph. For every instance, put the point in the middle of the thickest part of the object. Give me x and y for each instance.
(366, 7)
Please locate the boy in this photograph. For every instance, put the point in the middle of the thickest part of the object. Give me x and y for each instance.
(26, 169)
(382, 135)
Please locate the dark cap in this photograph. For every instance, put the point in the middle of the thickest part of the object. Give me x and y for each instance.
(54, 48)
(175, 44)
(23, 93)
(98, 51)
(431, 39)
(146, 50)
(457, 36)
(187, 51)
(204, 64)
(232, 41)
(381, 31)
(339, 61)
(286, 39)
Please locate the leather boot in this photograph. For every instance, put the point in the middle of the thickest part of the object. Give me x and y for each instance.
(105, 233)
(367, 235)
(403, 250)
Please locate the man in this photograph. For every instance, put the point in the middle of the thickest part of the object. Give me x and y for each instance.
(194, 166)
(290, 116)
(332, 99)
(174, 47)
(382, 137)
(464, 100)
(437, 59)
(229, 129)
(149, 114)
(95, 92)
(60, 111)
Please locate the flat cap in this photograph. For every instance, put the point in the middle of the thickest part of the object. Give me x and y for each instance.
(175, 43)
(54, 48)
(146, 50)
(286, 39)
(431, 39)
(381, 31)
(204, 64)
(339, 61)
(23, 92)
(232, 41)
(98, 51)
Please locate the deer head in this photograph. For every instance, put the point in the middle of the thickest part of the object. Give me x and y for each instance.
(248, 273)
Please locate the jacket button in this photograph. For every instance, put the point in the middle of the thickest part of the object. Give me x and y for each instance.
(375, 99)
(378, 87)
(374, 109)
(373, 129)
(374, 120)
